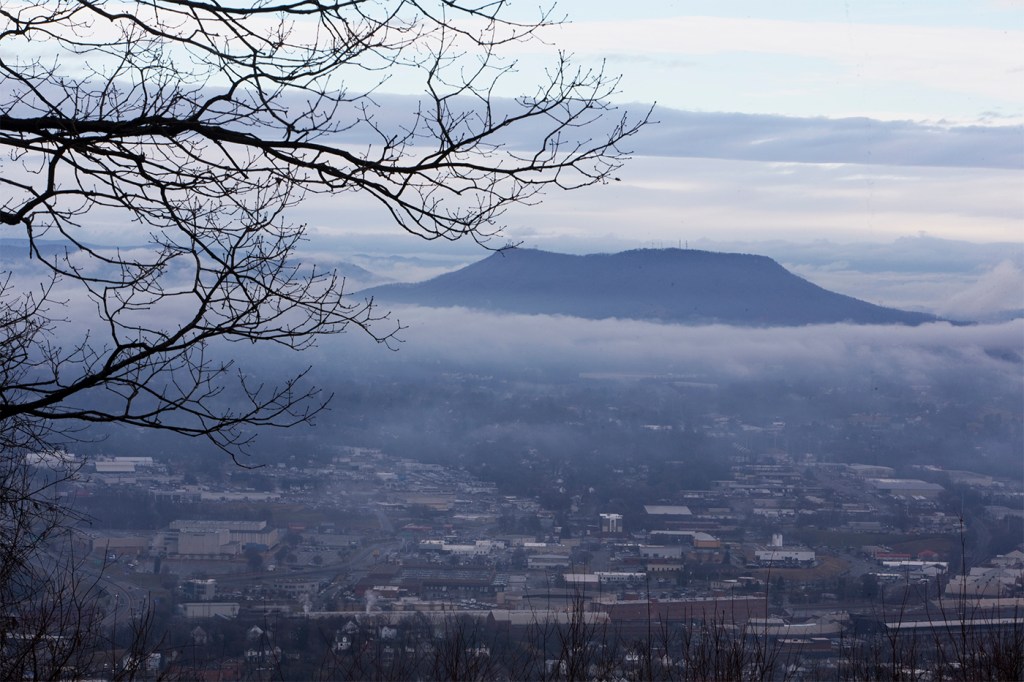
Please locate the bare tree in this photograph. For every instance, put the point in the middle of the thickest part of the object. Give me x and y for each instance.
(194, 128)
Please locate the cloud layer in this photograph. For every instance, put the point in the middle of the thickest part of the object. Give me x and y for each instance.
(714, 352)
(830, 140)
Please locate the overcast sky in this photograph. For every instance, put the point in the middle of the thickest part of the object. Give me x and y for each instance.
(937, 60)
(804, 120)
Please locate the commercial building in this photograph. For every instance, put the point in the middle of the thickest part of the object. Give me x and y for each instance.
(906, 487)
(777, 554)
(210, 609)
(611, 524)
(218, 538)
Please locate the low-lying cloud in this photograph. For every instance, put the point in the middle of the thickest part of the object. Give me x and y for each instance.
(1001, 288)
(478, 339)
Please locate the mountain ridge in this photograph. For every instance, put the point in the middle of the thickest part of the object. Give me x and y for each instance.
(685, 286)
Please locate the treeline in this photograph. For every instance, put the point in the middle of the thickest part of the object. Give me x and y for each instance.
(583, 648)
(571, 645)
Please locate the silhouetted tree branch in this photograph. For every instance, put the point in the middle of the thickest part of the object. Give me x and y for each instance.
(195, 127)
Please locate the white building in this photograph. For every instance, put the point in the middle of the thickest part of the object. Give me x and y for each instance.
(780, 556)
(195, 537)
(611, 523)
(478, 548)
(620, 577)
(777, 554)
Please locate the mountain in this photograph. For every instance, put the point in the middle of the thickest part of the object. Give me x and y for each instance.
(15, 255)
(668, 285)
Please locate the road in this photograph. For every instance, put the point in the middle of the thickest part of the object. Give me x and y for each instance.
(125, 601)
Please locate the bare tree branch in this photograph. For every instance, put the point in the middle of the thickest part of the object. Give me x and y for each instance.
(201, 124)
